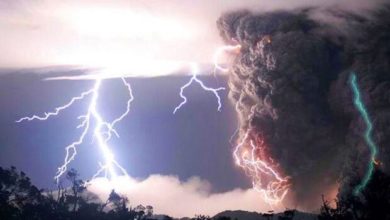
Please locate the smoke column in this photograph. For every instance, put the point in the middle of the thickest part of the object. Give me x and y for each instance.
(290, 85)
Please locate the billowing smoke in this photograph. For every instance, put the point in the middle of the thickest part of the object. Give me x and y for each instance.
(290, 85)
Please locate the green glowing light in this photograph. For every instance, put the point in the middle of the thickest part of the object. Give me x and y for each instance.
(367, 134)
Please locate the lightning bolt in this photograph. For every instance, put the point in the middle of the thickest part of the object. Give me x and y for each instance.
(194, 70)
(219, 52)
(101, 132)
(194, 78)
(276, 187)
(367, 134)
(265, 178)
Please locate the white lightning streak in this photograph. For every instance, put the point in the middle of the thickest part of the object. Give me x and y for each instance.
(194, 78)
(277, 187)
(102, 131)
(219, 52)
(57, 110)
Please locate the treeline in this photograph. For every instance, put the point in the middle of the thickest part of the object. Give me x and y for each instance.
(373, 203)
(21, 200)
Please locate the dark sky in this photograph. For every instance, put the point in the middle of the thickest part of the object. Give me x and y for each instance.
(193, 142)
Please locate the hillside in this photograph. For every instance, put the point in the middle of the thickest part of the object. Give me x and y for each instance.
(245, 215)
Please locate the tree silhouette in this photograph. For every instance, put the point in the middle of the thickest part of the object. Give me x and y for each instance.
(19, 199)
(17, 195)
(77, 187)
(201, 217)
(372, 203)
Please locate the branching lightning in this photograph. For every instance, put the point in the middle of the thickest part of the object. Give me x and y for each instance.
(195, 70)
(265, 177)
(102, 131)
(57, 110)
(250, 156)
(194, 78)
(259, 168)
(367, 134)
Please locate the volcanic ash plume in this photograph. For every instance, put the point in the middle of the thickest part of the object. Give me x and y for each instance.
(290, 85)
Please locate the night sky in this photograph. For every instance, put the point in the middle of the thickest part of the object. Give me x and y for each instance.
(193, 142)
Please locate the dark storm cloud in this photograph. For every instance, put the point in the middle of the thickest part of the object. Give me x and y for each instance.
(290, 85)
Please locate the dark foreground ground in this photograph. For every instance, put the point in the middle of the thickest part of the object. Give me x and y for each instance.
(20, 199)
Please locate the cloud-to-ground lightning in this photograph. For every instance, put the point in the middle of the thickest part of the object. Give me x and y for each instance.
(194, 78)
(265, 177)
(245, 156)
(358, 102)
(250, 156)
(102, 131)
